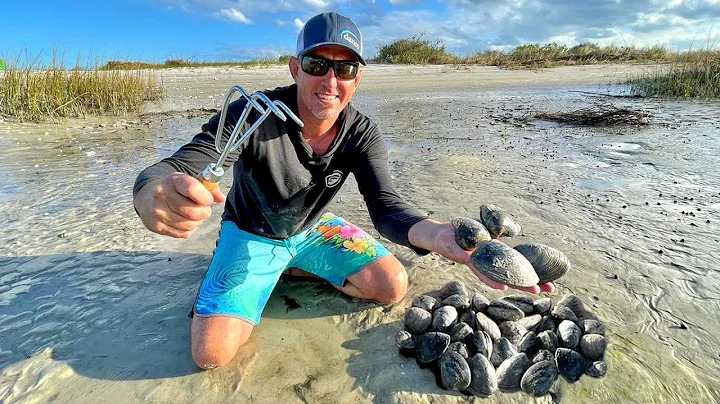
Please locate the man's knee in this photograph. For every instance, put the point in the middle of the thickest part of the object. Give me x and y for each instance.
(391, 280)
(215, 340)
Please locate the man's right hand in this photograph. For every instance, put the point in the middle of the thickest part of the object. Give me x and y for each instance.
(175, 205)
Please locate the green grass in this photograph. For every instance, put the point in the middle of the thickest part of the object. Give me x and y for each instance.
(173, 63)
(30, 94)
(695, 78)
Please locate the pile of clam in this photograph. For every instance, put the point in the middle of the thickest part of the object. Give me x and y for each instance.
(510, 344)
(525, 265)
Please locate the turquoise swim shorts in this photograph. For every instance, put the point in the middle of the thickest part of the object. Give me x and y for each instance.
(245, 267)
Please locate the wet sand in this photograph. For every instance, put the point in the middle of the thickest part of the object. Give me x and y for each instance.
(93, 307)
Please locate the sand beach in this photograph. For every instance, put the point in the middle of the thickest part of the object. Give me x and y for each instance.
(93, 307)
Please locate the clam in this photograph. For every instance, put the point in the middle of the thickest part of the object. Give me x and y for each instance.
(483, 381)
(592, 327)
(561, 313)
(417, 320)
(503, 264)
(479, 342)
(444, 318)
(469, 232)
(510, 372)
(596, 369)
(468, 317)
(529, 343)
(484, 323)
(501, 310)
(546, 324)
(543, 355)
(460, 348)
(406, 342)
(522, 302)
(502, 350)
(570, 364)
(548, 340)
(425, 302)
(479, 302)
(569, 334)
(452, 288)
(512, 331)
(454, 371)
(538, 379)
(430, 347)
(498, 222)
(530, 322)
(593, 346)
(550, 264)
(542, 306)
(460, 331)
(458, 301)
(574, 303)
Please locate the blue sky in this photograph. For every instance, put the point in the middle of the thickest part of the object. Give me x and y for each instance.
(155, 30)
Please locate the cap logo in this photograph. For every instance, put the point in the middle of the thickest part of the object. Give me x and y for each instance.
(347, 35)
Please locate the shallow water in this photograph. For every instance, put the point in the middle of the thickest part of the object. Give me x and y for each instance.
(93, 307)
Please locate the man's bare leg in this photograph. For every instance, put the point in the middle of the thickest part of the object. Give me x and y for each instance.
(215, 340)
(383, 280)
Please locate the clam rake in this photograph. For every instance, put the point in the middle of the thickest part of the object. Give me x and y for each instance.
(210, 176)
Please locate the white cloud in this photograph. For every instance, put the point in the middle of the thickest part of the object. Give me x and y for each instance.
(316, 3)
(234, 15)
(298, 23)
(280, 22)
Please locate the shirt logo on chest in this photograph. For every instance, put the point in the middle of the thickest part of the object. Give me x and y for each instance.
(333, 179)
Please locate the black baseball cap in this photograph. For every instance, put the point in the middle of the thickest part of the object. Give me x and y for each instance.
(330, 29)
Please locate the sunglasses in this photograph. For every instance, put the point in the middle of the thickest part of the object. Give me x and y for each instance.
(318, 66)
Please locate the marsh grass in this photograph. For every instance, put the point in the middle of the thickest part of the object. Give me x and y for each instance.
(175, 63)
(690, 78)
(31, 94)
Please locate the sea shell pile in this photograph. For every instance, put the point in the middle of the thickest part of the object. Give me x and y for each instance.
(525, 265)
(511, 344)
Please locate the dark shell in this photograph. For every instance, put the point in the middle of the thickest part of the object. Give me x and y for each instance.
(500, 310)
(562, 313)
(569, 334)
(543, 355)
(468, 317)
(546, 324)
(469, 232)
(574, 303)
(550, 264)
(483, 381)
(503, 264)
(425, 302)
(542, 306)
(522, 302)
(592, 327)
(417, 320)
(484, 323)
(406, 343)
(479, 343)
(593, 346)
(596, 369)
(460, 348)
(530, 322)
(512, 331)
(460, 302)
(444, 318)
(538, 379)
(510, 372)
(454, 371)
(480, 302)
(452, 288)
(529, 343)
(570, 364)
(430, 346)
(548, 340)
(502, 350)
(498, 222)
(460, 331)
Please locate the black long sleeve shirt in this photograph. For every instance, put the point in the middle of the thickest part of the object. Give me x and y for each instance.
(281, 186)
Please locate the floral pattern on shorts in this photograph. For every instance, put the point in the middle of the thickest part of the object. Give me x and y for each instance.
(342, 234)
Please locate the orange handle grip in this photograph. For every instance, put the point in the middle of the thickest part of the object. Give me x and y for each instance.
(208, 185)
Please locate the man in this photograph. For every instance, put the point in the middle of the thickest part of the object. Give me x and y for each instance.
(284, 177)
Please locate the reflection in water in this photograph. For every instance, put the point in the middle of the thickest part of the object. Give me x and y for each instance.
(635, 209)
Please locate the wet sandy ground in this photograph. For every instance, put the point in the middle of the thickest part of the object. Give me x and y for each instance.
(93, 308)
